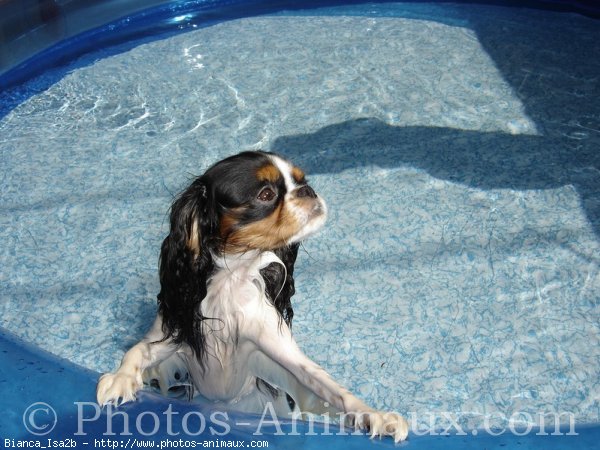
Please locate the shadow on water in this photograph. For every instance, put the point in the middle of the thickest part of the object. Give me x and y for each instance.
(551, 62)
(492, 160)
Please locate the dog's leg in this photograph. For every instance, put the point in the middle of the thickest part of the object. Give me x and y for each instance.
(279, 360)
(127, 380)
(306, 400)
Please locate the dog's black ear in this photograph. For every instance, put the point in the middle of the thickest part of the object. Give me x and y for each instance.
(280, 282)
(185, 266)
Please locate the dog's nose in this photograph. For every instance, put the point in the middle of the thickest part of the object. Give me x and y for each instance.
(306, 191)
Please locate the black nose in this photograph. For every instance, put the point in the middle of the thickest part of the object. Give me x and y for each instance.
(306, 191)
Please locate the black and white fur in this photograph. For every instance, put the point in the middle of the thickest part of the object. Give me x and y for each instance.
(226, 273)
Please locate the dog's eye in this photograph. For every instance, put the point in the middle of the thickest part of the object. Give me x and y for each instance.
(266, 195)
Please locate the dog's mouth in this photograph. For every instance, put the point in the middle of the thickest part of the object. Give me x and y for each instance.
(319, 210)
(313, 220)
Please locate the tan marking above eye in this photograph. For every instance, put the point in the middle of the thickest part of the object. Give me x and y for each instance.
(268, 173)
(298, 174)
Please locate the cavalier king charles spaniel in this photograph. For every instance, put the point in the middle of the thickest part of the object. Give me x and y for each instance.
(226, 276)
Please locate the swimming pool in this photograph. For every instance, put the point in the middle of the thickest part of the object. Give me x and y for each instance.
(457, 280)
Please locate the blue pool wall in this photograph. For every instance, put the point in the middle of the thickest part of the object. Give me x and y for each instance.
(38, 35)
(30, 376)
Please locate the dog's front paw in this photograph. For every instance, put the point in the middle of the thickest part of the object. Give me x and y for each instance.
(379, 423)
(114, 386)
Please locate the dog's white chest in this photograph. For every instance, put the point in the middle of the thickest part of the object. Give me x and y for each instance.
(235, 297)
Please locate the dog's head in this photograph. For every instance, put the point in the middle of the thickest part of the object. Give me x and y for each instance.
(250, 201)
(253, 201)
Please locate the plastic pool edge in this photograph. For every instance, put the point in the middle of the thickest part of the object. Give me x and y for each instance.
(136, 23)
(52, 400)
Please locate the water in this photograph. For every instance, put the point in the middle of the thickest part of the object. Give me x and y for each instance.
(458, 150)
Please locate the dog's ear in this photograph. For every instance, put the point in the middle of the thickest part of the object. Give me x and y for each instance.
(279, 281)
(185, 266)
(190, 220)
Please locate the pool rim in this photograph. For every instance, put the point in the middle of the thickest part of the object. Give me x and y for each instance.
(131, 23)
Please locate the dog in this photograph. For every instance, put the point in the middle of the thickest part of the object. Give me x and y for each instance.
(226, 280)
